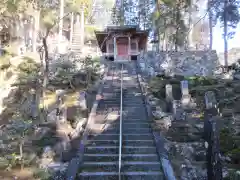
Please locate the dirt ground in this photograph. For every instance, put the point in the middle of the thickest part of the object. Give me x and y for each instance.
(17, 174)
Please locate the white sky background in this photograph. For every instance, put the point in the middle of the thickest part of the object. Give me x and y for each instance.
(218, 40)
(218, 43)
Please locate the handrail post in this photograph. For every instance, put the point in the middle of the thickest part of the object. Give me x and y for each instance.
(120, 130)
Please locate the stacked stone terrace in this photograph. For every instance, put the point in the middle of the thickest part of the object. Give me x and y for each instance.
(187, 63)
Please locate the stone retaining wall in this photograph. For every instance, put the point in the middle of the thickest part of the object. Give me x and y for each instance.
(188, 63)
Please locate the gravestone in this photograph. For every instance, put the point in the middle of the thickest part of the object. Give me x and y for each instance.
(178, 112)
(184, 87)
(58, 104)
(82, 100)
(210, 100)
(152, 72)
(169, 96)
(61, 110)
(34, 106)
(169, 93)
(186, 97)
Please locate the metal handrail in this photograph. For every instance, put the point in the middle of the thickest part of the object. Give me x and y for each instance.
(120, 130)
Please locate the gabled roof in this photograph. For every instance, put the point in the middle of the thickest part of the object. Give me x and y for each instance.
(134, 30)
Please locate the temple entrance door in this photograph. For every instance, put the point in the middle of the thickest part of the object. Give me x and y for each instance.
(122, 50)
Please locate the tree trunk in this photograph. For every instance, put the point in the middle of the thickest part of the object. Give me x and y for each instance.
(45, 76)
(35, 29)
(46, 68)
(82, 28)
(21, 153)
(225, 29)
(177, 30)
(122, 14)
(71, 32)
(210, 24)
(159, 41)
(190, 26)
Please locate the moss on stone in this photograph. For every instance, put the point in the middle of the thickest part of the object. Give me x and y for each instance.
(226, 140)
(202, 81)
(234, 154)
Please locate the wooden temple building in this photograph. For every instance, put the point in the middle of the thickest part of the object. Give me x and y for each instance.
(121, 42)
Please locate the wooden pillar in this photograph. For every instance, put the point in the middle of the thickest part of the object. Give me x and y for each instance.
(129, 48)
(115, 47)
(137, 49)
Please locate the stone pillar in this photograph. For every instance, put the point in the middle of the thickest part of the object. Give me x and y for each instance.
(129, 48)
(211, 136)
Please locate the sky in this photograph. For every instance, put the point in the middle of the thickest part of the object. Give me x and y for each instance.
(218, 43)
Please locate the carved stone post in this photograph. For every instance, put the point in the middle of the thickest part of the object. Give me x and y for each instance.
(211, 136)
(34, 108)
(169, 96)
(61, 111)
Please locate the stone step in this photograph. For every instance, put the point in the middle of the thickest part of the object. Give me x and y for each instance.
(127, 119)
(101, 150)
(144, 166)
(126, 124)
(125, 157)
(126, 130)
(100, 167)
(145, 136)
(131, 124)
(125, 175)
(124, 142)
(126, 149)
(106, 121)
(139, 149)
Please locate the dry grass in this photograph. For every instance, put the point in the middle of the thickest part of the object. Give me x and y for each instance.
(25, 174)
(49, 100)
(71, 99)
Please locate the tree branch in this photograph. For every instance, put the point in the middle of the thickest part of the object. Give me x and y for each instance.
(54, 24)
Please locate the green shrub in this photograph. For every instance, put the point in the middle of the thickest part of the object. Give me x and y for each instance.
(235, 155)
(199, 80)
(42, 174)
(29, 66)
(227, 142)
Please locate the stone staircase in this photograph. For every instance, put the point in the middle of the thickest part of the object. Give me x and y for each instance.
(76, 41)
(139, 153)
